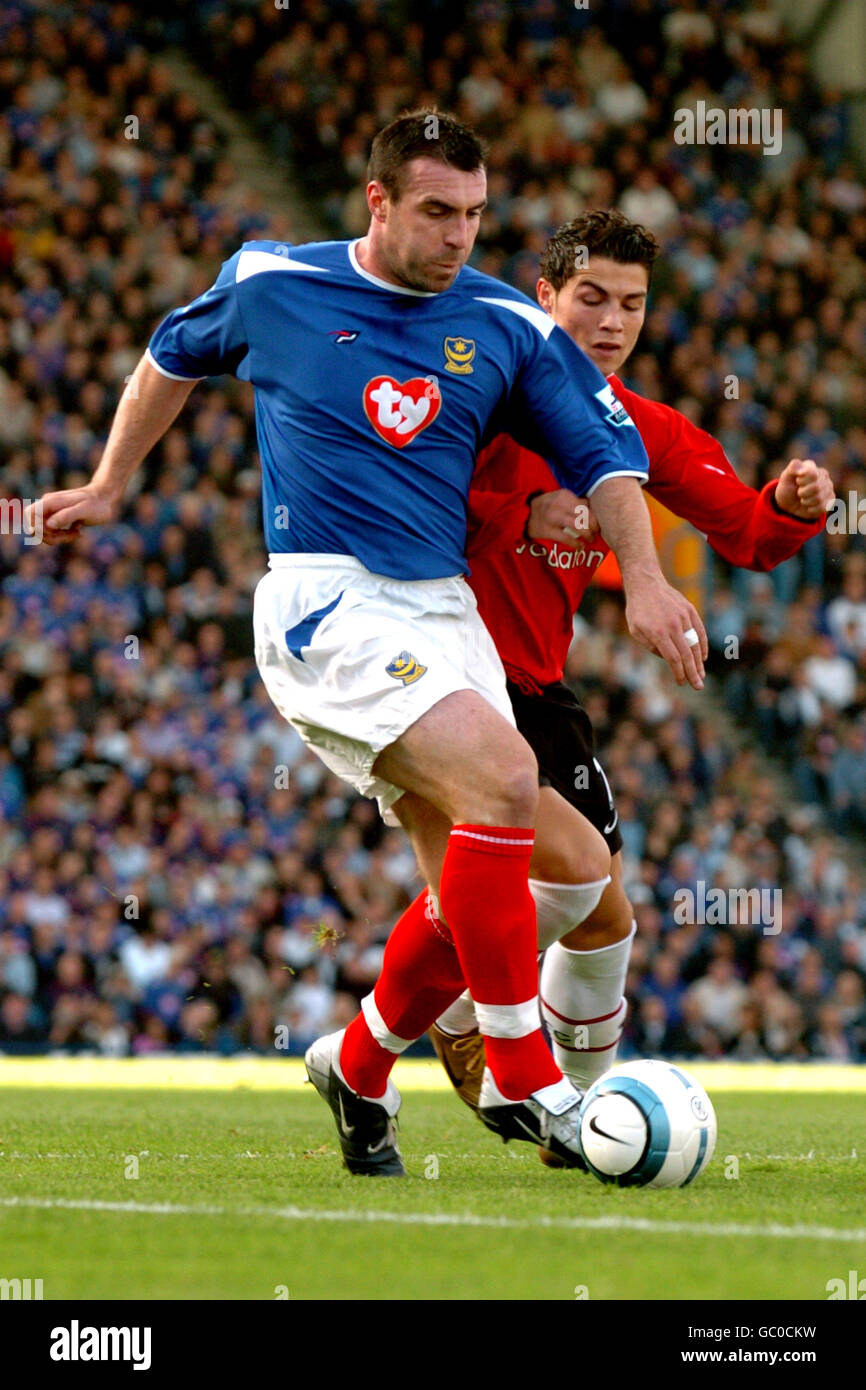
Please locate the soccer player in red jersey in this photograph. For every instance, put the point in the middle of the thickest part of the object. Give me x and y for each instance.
(533, 550)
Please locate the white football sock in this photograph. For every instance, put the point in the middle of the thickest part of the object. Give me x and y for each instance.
(382, 1034)
(582, 1005)
(561, 906)
(459, 1017)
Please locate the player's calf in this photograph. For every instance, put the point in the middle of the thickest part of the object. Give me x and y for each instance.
(467, 760)
(456, 1038)
(581, 995)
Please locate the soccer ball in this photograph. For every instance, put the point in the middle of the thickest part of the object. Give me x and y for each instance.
(647, 1124)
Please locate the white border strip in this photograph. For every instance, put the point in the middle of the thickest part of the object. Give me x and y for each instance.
(494, 839)
(642, 478)
(531, 312)
(773, 1230)
(386, 284)
(163, 371)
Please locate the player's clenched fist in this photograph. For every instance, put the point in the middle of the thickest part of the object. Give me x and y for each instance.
(561, 516)
(60, 516)
(805, 490)
(662, 619)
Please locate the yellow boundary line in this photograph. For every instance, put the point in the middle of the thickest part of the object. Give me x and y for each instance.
(414, 1074)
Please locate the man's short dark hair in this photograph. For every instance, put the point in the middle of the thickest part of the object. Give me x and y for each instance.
(422, 134)
(610, 234)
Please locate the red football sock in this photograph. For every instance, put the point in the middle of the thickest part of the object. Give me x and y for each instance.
(491, 914)
(421, 977)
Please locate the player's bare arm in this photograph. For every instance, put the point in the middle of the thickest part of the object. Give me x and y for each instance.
(148, 406)
(804, 490)
(658, 616)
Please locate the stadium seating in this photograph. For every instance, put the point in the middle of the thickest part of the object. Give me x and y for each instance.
(175, 870)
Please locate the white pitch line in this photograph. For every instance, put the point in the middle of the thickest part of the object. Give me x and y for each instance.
(502, 1157)
(644, 1225)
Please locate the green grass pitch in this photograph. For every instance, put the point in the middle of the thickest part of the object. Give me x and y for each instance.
(183, 1178)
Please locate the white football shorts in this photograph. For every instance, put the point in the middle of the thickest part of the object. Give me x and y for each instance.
(351, 659)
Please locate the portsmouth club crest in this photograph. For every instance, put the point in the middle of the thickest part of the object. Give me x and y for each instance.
(405, 668)
(459, 353)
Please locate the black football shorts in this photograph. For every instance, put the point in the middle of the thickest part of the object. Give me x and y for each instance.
(560, 735)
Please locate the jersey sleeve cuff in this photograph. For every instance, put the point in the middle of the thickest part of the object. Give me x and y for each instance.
(163, 371)
(770, 498)
(539, 492)
(641, 477)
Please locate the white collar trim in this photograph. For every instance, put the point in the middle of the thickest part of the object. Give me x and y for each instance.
(385, 284)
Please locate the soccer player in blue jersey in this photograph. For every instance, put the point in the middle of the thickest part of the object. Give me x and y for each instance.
(381, 366)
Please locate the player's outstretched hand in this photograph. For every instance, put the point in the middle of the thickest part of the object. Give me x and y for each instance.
(59, 516)
(662, 619)
(561, 516)
(805, 490)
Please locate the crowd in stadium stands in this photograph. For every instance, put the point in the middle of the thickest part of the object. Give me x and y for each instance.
(176, 871)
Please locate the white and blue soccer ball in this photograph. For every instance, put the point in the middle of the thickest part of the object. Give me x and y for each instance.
(647, 1124)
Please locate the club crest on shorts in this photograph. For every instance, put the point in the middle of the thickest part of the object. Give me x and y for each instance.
(459, 353)
(405, 668)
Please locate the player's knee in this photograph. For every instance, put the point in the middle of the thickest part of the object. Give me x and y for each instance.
(506, 794)
(570, 859)
(518, 791)
(586, 865)
(609, 922)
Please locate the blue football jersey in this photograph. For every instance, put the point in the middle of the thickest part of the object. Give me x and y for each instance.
(372, 401)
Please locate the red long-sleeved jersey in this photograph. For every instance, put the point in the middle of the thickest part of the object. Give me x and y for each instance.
(528, 592)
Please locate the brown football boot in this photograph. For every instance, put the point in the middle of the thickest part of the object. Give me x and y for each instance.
(462, 1056)
(550, 1159)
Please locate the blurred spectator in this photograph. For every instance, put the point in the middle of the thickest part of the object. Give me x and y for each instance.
(718, 998)
(21, 1026)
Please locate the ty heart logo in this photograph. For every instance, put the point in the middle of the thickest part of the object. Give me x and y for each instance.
(400, 410)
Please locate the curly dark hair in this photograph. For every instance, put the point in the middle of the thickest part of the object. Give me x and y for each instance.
(598, 233)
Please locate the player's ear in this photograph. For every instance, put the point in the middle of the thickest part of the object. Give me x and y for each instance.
(546, 295)
(377, 198)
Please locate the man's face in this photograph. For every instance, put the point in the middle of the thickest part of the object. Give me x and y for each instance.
(426, 236)
(602, 307)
